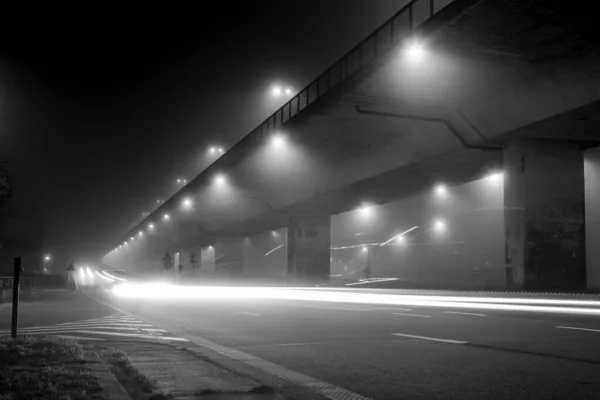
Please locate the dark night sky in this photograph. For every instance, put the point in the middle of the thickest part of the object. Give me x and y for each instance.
(99, 114)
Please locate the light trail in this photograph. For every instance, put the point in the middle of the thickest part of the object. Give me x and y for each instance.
(163, 291)
(275, 249)
(371, 281)
(398, 235)
(104, 277)
(114, 277)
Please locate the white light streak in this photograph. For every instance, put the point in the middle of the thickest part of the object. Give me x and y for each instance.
(104, 277)
(398, 235)
(275, 249)
(114, 277)
(169, 292)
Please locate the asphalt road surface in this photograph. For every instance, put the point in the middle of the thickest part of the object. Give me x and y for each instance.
(400, 352)
(378, 351)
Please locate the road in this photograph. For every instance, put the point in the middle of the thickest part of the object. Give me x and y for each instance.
(400, 352)
(53, 307)
(376, 351)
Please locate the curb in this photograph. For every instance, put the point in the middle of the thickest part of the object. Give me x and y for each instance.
(111, 385)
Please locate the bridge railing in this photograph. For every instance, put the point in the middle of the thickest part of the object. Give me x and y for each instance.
(387, 35)
(411, 16)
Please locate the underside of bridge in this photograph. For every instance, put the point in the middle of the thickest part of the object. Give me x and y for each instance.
(500, 90)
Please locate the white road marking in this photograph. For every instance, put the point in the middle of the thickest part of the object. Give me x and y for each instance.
(413, 315)
(430, 338)
(464, 313)
(355, 308)
(578, 329)
(78, 337)
(100, 324)
(329, 343)
(136, 335)
(102, 320)
(128, 327)
(249, 313)
(326, 389)
(384, 309)
(78, 326)
(67, 329)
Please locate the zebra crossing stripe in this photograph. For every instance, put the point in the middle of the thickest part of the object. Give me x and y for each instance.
(78, 337)
(67, 329)
(123, 326)
(136, 335)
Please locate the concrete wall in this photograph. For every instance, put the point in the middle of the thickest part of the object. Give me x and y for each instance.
(592, 217)
(265, 255)
(468, 252)
(308, 255)
(207, 259)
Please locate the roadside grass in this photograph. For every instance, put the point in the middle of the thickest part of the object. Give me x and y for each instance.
(137, 385)
(43, 367)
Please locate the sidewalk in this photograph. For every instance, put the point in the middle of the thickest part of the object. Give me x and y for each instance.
(160, 371)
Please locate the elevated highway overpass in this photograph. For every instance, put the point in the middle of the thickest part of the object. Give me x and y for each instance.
(498, 101)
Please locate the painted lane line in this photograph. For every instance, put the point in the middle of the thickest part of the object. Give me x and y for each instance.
(249, 313)
(430, 338)
(333, 343)
(465, 313)
(413, 315)
(153, 330)
(177, 339)
(578, 329)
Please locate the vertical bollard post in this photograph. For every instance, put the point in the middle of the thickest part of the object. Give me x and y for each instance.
(15, 304)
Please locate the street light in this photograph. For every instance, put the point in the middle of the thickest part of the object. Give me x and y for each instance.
(278, 140)
(400, 240)
(496, 177)
(46, 257)
(166, 217)
(220, 179)
(415, 51)
(441, 190)
(439, 225)
(187, 203)
(276, 91)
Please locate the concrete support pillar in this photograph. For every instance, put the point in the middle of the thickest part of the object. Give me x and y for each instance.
(592, 218)
(308, 244)
(207, 259)
(544, 222)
